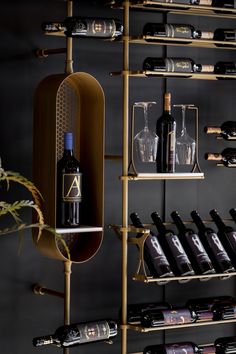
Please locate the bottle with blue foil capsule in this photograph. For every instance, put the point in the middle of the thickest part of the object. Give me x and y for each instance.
(68, 186)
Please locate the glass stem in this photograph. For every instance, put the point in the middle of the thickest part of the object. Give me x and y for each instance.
(183, 130)
(145, 118)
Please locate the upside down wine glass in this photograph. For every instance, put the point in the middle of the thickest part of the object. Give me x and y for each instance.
(185, 145)
(146, 141)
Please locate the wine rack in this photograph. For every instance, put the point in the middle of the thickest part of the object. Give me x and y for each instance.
(128, 175)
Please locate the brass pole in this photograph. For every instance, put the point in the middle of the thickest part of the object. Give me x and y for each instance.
(125, 173)
(69, 43)
(67, 276)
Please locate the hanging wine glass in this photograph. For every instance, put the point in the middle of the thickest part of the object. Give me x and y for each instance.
(185, 145)
(146, 141)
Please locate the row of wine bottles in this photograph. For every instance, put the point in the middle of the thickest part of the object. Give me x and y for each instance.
(112, 28)
(214, 3)
(186, 65)
(176, 30)
(167, 254)
(222, 345)
(194, 310)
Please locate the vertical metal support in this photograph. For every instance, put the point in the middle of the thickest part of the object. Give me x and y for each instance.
(67, 276)
(69, 42)
(125, 167)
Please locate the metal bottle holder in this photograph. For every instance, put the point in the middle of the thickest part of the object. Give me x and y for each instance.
(72, 102)
(196, 166)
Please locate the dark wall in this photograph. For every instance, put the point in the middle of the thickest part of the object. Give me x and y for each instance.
(96, 285)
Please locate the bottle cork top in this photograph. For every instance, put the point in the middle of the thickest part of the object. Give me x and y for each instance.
(167, 101)
(213, 156)
(212, 130)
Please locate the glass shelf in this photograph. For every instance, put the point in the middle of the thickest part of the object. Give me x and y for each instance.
(161, 176)
(179, 326)
(161, 74)
(81, 229)
(185, 9)
(202, 43)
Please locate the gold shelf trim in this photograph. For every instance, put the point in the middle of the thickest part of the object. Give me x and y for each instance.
(149, 74)
(203, 43)
(187, 325)
(161, 176)
(184, 9)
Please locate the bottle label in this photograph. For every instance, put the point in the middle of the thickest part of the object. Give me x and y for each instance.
(197, 248)
(217, 247)
(93, 331)
(94, 28)
(231, 236)
(205, 2)
(170, 151)
(207, 35)
(180, 316)
(178, 65)
(177, 249)
(178, 31)
(156, 251)
(71, 187)
(179, 348)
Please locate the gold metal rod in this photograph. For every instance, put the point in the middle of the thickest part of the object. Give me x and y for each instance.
(125, 166)
(44, 53)
(40, 290)
(69, 42)
(67, 278)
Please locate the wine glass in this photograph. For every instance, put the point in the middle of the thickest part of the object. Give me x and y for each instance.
(185, 145)
(146, 141)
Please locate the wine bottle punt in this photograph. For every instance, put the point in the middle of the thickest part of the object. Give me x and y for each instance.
(193, 246)
(81, 333)
(173, 248)
(166, 131)
(68, 186)
(213, 246)
(175, 316)
(180, 348)
(226, 234)
(154, 256)
(227, 130)
(85, 27)
(227, 157)
(225, 345)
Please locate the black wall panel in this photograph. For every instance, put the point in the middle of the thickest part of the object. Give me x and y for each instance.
(96, 285)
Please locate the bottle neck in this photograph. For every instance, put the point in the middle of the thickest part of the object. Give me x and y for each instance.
(167, 103)
(217, 219)
(68, 152)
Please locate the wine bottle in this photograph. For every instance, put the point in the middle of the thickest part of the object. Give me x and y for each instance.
(154, 256)
(177, 65)
(166, 131)
(173, 30)
(223, 3)
(224, 311)
(180, 348)
(134, 311)
(81, 333)
(226, 234)
(225, 345)
(227, 130)
(85, 27)
(227, 157)
(174, 316)
(233, 213)
(225, 67)
(194, 248)
(173, 248)
(213, 246)
(68, 186)
(203, 306)
(187, 2)
(227, 35)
